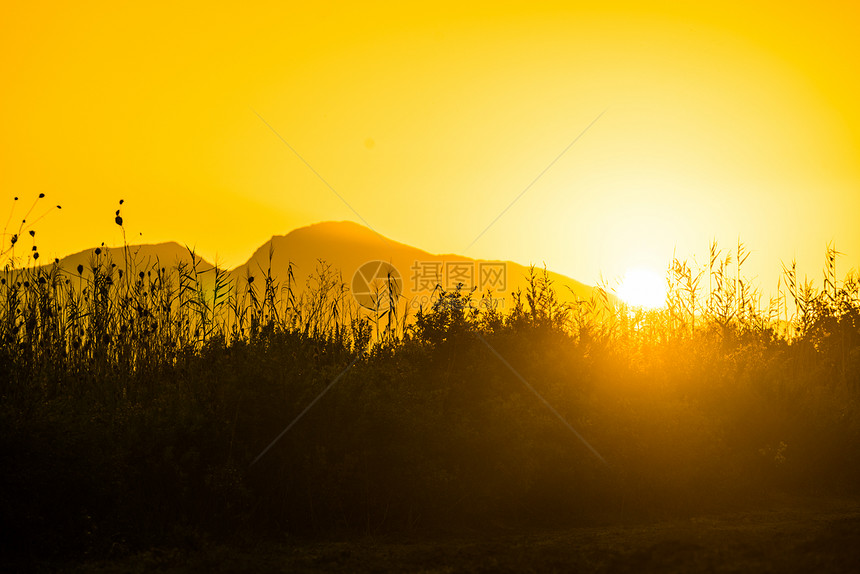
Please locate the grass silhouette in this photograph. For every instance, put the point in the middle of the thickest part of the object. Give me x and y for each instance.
(136, 396)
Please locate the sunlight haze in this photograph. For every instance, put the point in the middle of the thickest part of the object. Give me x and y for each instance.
(430, 287)
(732, 121)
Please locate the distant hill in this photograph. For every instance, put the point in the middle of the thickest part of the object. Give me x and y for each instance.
(346, 246)
(146, 256)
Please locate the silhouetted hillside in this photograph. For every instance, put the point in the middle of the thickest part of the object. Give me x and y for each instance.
(140, 256)
(346, 246)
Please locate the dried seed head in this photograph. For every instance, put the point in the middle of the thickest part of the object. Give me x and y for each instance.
(80, 269)
(41, 195)
(32, 233)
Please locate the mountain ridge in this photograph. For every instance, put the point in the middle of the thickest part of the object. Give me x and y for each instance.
(344, 246)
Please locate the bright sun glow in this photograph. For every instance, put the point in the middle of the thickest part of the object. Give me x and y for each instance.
(642, 288)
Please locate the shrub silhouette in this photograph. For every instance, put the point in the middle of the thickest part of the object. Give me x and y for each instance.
(135, 399)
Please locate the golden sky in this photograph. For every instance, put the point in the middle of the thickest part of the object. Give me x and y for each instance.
(737, 119)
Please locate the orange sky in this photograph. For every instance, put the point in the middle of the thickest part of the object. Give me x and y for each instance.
(738, 120)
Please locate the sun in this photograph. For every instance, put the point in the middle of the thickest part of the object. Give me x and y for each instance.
(642, 288)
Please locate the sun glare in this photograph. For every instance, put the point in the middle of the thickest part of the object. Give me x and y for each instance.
(642, 288)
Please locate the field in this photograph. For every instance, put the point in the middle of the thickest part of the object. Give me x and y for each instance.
(783, 535)
(151, 424)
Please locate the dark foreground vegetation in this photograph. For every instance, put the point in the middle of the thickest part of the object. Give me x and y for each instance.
(784, 536)
(135, 405)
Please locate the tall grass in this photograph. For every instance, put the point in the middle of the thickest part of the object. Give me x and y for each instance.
(134, 396)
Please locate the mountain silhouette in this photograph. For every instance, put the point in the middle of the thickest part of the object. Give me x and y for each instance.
(146, 256)
(344, 247)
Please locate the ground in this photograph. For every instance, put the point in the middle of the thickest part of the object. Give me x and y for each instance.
(790, 535)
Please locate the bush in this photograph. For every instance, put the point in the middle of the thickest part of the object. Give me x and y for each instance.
(136, 406)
